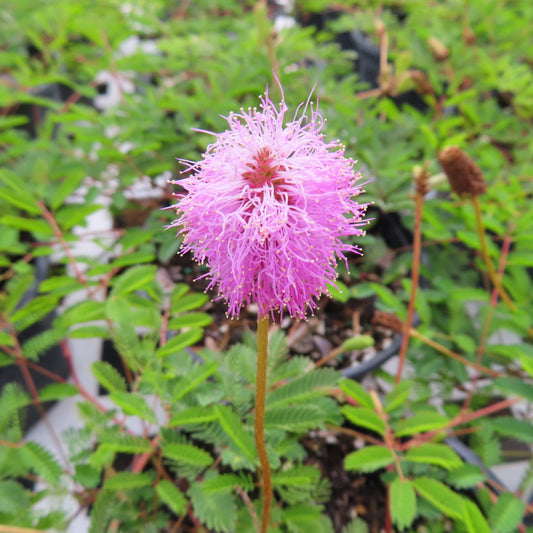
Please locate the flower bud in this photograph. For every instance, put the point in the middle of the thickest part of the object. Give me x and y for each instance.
(465, 177)
(439, 51)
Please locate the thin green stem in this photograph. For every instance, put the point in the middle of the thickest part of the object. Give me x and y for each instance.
(485, 252)
(260, 395)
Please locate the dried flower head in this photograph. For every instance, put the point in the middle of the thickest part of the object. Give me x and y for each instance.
(465, 177)
(265, 209)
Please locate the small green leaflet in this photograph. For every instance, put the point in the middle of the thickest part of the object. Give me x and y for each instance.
(369, 459)
(171, 496)
(363, 417)
(402, 502)
(435, 454)
(133, 405)
(506, 514)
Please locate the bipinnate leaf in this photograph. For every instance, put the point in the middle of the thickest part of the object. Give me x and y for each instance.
(85, 311)
(180, 341)
(171, 496)
(194, 378)
(402, 499)
(515, 386)
(442, 497)
(303, 388)
(369, 459)
(13, 497)
(187, 454)
(122, 442)
(132, 279)
(295, 418)
(435, 454)
(513, 427)
(297, 476)
(133, 405)
(108, 376)
(57, 391)
(235, 429)
(228, 482)
(420, 422)
(466, 476)
(506, 514)
(188, 302)
(363, 417)
(41, 461)
(474, 520)
(190, 320)
(194, 415)
(217, 510)
(398, 395)
(128, 481)
(357, 392)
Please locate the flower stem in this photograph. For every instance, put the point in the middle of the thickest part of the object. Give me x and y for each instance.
(485, 252)
(260, 395)
(417, 247)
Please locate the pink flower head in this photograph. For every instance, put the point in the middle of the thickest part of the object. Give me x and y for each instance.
(265, 209)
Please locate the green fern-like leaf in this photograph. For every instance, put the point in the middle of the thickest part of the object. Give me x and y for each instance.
(235, 429)
(103, 511)
(228, 482)
(295, 366)
(37, 345)
(215, 509)
(41, 461)
(304, 518)
(189, 459)
(16, 287)
(121, 442)
(171, 496)
(513, 427)
(296, 476)
(298, 418)
(304, 388)
(402, 503)
(12, 399)
(34, 311)
(197, 376)
(305, 486)
(128, 481)
(13, 497)
(506, 514)
(133, 405)
(108, 376)
(441, 496)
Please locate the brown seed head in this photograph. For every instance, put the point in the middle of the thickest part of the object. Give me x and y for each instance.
(465, 177)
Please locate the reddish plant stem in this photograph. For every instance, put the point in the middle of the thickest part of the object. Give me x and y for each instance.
(462, 418)
(59, 236)
(415, 333)
(249, 505)
(30, 384)
(417, 240)
(260, 400)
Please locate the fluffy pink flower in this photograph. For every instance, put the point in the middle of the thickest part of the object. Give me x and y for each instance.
(265, 209)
